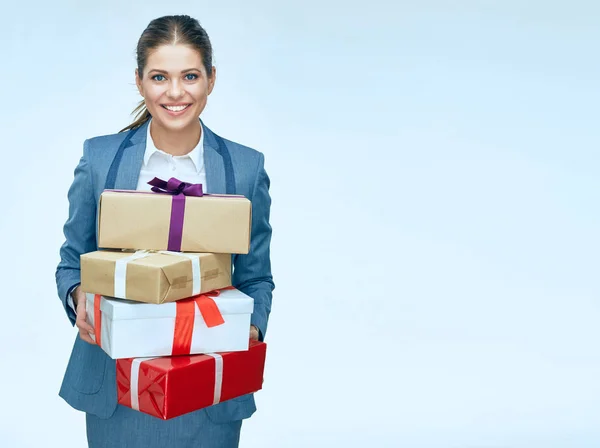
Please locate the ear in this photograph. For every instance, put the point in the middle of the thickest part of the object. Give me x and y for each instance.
(138, 82)
(212, 80)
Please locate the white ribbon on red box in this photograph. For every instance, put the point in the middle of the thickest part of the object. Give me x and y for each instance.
(218, 376)
(135, 381)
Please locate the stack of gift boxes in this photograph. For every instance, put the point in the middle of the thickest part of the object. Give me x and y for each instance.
(160, 299)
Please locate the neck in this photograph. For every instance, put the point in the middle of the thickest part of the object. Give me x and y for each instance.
(176, 143)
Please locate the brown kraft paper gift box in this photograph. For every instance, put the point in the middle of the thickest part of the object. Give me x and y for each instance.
(142, 220)
(153, 277)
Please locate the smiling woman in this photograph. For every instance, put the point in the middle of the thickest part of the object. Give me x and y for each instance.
(175, 76)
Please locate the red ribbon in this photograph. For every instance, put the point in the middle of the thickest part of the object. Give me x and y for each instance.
(186, 314)
(97, 319)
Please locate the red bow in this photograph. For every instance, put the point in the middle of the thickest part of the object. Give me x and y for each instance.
(185, 316)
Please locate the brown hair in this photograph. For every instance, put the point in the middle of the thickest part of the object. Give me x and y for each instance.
(169, 30)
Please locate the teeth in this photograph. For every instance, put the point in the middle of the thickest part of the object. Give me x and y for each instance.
(175, 108)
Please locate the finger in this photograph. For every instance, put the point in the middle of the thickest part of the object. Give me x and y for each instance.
(86, 337)
(81, 300)
(84, 326)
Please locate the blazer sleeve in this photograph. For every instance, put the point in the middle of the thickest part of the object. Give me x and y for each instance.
(252, 271)
(79, 231)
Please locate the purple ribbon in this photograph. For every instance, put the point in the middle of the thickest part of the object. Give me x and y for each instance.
(179, 190)
(175, 186)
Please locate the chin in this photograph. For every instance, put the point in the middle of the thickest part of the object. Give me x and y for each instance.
(176, 124)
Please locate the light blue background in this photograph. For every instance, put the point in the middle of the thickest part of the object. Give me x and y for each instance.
(435, 210)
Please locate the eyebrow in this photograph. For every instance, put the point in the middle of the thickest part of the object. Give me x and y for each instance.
(183, 71)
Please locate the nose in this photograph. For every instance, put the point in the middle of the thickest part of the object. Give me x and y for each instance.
(175, 90)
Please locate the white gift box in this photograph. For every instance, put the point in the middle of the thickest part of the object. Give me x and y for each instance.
(131, 329)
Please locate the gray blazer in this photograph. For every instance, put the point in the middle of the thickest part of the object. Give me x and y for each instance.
(114, 161)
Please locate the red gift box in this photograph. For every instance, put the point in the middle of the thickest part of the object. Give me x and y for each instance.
(167, 387)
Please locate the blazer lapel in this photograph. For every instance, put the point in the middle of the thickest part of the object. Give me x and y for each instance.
(131, 162)
(213, 163)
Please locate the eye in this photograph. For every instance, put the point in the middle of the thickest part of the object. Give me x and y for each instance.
(155, 77)
(193, 76)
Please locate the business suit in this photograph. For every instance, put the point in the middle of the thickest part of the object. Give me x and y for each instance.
(114, 161)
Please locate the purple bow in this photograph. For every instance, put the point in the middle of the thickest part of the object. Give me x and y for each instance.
(175, 186)
(179, 190)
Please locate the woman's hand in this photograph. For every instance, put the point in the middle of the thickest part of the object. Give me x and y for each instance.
(253, 333)
(85, 329)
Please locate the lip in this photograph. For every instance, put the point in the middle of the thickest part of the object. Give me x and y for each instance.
(176, 114)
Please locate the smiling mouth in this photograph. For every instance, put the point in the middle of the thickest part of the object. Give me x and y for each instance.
(176, 108)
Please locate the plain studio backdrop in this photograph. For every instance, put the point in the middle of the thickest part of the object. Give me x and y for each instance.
(435, 188)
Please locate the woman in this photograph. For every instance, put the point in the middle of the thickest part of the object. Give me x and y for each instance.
(174, 75)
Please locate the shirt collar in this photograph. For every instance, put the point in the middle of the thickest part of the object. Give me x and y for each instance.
(196, 154)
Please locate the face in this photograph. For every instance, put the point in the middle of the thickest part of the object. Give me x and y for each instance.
(175, 86)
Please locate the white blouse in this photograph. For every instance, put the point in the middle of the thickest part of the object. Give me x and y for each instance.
(157, 163)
